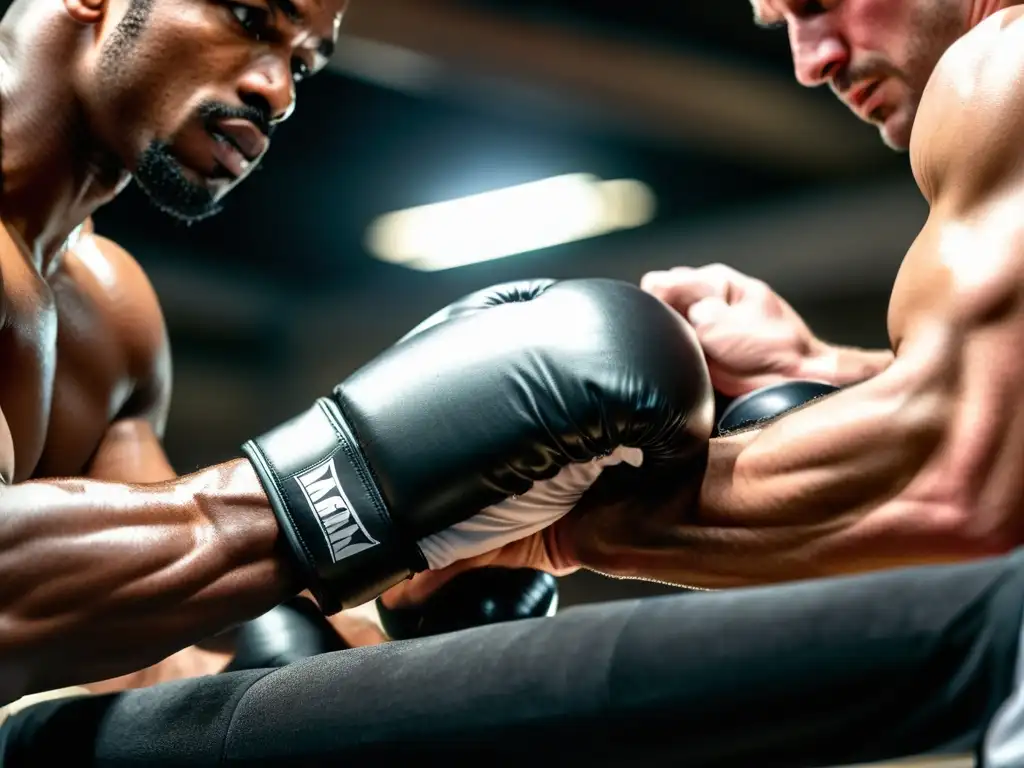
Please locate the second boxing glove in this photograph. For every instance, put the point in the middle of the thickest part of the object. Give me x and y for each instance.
(481, 429)
(292, 631)
(474, 598)
(769, 403)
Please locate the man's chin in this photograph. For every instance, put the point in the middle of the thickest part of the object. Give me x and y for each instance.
(189, 210)
(175, 188)
(895, 131)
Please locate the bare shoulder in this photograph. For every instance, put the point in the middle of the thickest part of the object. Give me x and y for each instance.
(966, 268)
(968, 139)
(122, 293)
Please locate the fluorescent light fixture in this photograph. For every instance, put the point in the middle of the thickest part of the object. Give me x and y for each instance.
(519, 219)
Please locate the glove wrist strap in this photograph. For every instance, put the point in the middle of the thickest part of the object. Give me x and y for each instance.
(329, 508)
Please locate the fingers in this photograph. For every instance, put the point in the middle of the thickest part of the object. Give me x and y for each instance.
(679, 287)
(682, 287)
(707, 312)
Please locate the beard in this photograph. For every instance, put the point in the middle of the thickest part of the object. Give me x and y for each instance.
(161, 177)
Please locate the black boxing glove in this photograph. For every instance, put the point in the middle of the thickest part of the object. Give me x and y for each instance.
(292, 631)
(474, 599)
(483, 428)
(770, 403)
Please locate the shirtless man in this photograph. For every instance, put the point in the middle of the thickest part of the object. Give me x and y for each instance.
(119, 563)
(918, 459)
(916, 464)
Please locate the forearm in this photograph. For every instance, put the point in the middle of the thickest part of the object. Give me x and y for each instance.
(824, 490)
(98, 579)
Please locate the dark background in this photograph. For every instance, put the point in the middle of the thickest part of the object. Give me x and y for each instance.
(276, 299)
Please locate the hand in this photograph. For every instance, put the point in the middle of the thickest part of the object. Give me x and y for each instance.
(750, 336)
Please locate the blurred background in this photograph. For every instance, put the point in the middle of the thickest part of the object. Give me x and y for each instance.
(647, 135)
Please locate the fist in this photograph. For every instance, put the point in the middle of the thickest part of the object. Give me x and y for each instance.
(750, 336)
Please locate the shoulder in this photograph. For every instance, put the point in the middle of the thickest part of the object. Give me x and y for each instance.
(121, 289)
(968, 138)
(122, 293)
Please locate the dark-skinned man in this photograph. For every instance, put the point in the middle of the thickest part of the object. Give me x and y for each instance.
(110, 562)
(899, 470)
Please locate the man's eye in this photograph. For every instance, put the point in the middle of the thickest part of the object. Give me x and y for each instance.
(253, 20)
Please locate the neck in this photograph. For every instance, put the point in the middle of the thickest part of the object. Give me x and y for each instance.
(979, 10)
(53, 179)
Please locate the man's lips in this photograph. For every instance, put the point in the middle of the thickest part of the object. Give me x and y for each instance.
(238, 144)
(857, 97)
(247, 138)
(228, 157)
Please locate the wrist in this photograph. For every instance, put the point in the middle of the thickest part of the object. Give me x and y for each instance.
(329, 509)
(233, 502)
(843, 366)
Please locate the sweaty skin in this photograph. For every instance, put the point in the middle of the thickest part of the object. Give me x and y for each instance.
(88, 400)
(921, 463)
(110, 563)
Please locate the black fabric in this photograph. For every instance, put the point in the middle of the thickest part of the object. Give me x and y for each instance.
(814, 674)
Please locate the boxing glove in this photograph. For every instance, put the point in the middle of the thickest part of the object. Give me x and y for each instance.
(474, 599)
(290, 632)
(770, 403)
(482, 428)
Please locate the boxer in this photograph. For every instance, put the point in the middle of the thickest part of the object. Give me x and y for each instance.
(917, 457)
(467, 440)
(107, 403)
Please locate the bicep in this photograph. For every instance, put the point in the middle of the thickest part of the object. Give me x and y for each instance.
(139, 319)
(966, 270)
(977, 257)
(131, 449)
(131, 452)
(150, 400)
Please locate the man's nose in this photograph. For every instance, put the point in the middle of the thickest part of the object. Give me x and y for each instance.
(269, 87)
(818, 52)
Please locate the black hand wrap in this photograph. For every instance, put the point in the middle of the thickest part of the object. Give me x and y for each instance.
(770, 403)
(330, 510)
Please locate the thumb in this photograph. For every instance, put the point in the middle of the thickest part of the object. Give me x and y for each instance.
(707, 312)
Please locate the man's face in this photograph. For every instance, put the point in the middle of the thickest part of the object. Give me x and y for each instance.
(187, 92)
(875, 55)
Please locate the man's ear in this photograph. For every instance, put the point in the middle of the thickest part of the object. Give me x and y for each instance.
(86, 11)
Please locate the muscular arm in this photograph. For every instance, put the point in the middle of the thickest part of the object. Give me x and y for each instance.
(98, 579)
(131, 451)
(924, 461)
(112, 572)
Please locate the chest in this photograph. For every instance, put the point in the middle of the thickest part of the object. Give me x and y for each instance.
(62, 375)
